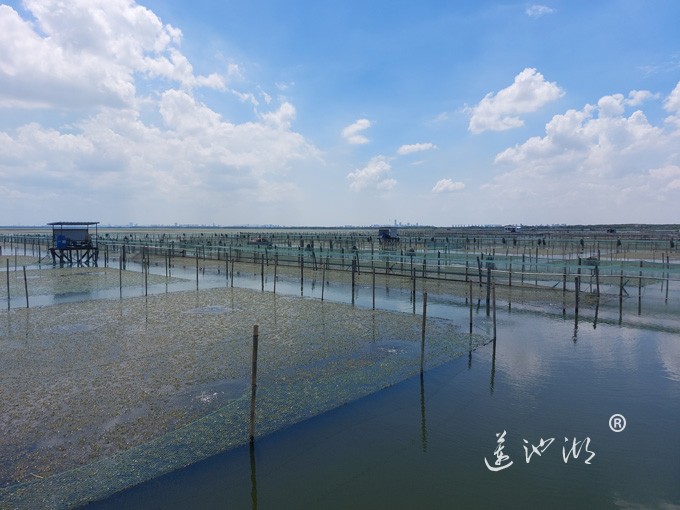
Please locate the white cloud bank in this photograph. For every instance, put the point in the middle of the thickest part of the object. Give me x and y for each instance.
(86, 53)
(528, 93)
(352, 133)
(601, 162)
(158, 157)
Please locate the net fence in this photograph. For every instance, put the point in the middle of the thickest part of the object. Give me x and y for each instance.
(100, 395)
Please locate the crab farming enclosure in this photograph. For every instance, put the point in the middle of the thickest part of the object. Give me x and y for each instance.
(117, 373)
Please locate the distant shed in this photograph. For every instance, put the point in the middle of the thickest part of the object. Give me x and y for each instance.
(72, 242)
(389, 238)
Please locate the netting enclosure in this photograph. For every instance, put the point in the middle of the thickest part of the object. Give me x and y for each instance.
(100, 395)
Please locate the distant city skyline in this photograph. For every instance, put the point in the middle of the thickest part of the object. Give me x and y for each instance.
(331, 114)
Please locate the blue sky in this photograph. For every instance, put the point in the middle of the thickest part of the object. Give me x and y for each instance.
(336, 113)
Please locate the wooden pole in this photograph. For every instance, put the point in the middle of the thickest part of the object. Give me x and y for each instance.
(373, 286)
(145, 264)
(640, 290)
(120, 271)
(479, 270)
(422, 333)
(276, 263)
(25, 286)
(470, 289)
(621, 292)
(668, 274)
(577, 286)
(262, 272)
(302, 273)
(196, 268)
(7, 274)
(353, 268)
(493, 294)
(323, 279)
(488, 290)
(253, 383)
(413, 284)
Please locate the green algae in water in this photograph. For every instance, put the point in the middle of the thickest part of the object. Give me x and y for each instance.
(101, 395)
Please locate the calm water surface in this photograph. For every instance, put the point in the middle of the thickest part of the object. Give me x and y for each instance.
(423, 443)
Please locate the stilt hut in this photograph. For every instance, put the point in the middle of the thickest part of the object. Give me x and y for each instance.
(389, 239)
(73, 243)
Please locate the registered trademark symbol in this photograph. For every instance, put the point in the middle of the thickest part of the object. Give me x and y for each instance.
(617, 422)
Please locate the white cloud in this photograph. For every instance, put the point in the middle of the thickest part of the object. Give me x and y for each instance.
(637, 97)
(537, 10)
(598, 162)
(672, 102)
(447, 185)
(528, 93)
(386, 184)
(86, 53)
(374, 173)
(416, 147)
(158, 158)
(197, 161)
(352, 133)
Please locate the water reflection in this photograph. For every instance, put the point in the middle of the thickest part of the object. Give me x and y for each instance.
(253, 477)
(423, 425)
(493, 367)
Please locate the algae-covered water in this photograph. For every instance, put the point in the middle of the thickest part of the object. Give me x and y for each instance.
(107, 389)
(423, 443)
(101, 394)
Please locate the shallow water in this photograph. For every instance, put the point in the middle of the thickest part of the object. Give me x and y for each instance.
(423, 443)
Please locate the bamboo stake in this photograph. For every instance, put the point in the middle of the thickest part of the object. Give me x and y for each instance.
(25, 286)
(120, 271)
(470, 285)
(577, 285)
(353, 269)
(422, 333)
(488, 289)
(640, 290)
(621, 296)
(7, 273)
(373, 286)
(668, 274)
(253, 383)
(493, 294)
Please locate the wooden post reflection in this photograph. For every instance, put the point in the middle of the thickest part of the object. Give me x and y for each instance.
(253, 478)
(423, 424)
